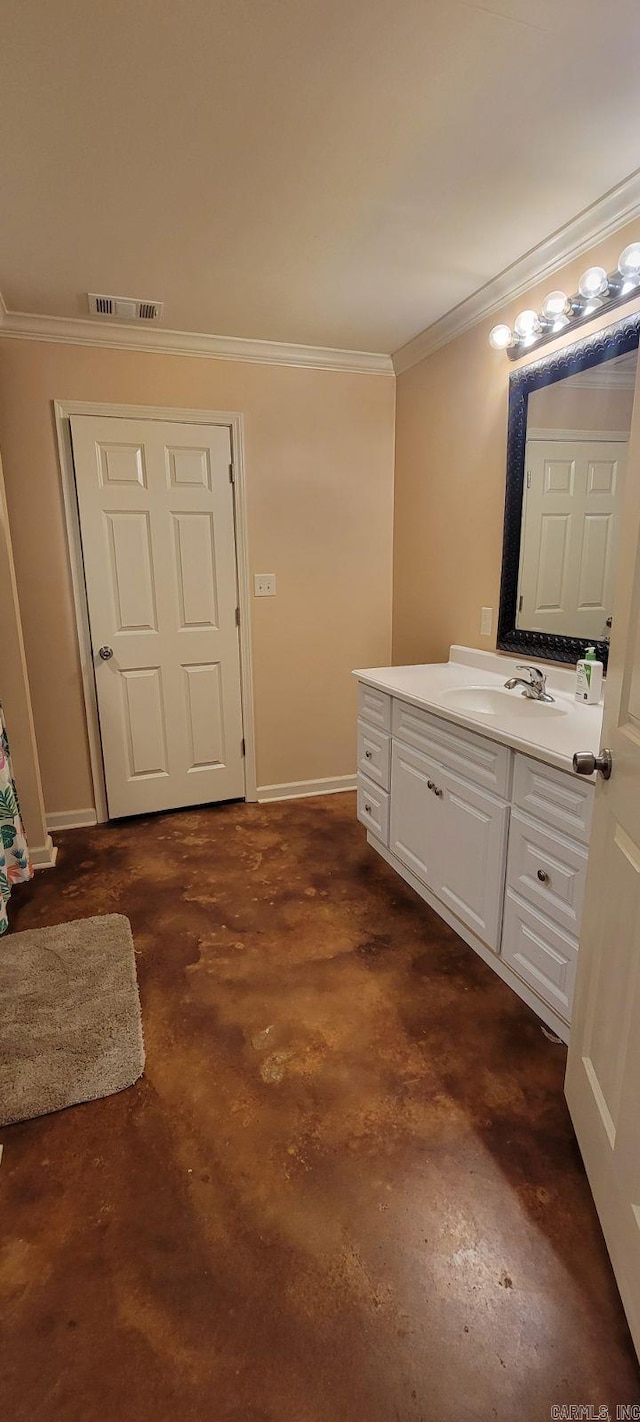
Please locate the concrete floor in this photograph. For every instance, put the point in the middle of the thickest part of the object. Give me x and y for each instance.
(346, 1189)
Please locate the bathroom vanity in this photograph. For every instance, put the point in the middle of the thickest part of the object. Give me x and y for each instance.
(467, 790)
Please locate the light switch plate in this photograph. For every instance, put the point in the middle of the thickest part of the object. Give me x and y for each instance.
(486, 618)
(264, 584)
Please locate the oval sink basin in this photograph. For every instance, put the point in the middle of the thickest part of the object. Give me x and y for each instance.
(493, 701)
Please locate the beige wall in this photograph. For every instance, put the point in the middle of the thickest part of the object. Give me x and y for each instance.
(15, 694)
(319, 456)
(451, 434)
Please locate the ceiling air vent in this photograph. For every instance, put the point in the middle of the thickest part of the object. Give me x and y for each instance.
(124, 308)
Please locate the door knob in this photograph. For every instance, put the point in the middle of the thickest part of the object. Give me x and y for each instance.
(584, 763)
(105, 653)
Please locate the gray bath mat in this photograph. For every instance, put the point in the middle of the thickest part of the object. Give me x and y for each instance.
(70, 1027)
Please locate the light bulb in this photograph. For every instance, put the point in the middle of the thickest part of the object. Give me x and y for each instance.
(501, 337)
(556, 304)
(629, 264)
(527, 324)
(593, 282)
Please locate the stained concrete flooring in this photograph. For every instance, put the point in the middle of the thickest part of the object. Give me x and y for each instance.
(346, 1189)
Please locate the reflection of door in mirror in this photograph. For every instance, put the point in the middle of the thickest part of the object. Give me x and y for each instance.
(577, 433)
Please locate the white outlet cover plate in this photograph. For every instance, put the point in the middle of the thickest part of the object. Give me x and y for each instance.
(264, 584)
(486, 619)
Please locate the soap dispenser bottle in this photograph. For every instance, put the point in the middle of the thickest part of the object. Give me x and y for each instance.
(589, 678)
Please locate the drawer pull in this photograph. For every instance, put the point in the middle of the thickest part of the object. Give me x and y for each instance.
(543, 876)
(439, 793)
(368, 754)
(368, 809)
(430, 785)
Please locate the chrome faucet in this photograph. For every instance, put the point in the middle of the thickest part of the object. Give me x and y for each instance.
(535, 688)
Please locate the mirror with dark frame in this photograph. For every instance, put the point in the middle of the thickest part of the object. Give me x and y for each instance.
(569, 423)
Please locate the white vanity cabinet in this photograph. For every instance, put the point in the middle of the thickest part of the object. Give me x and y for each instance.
(546, 876)
(452, 835)
(494, 840)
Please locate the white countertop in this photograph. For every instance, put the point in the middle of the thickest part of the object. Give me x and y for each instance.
(552, 739)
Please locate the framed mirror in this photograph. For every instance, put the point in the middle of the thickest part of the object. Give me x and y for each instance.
(569, 423)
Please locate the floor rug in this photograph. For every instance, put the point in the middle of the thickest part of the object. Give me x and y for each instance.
(70, 1026)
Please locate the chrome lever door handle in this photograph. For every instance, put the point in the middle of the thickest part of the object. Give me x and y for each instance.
(584, 763)
(105, 653)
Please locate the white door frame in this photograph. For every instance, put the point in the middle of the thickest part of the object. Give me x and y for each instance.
(63, 410)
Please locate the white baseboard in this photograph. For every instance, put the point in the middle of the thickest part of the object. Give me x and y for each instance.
(44, 855)
(71, 819)
(300, 789)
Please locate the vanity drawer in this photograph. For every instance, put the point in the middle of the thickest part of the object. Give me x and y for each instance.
(540, 953)
(374, 754)
(535, 851)
(373, 808)
(554, 796)
(374, 706)
(483, 762)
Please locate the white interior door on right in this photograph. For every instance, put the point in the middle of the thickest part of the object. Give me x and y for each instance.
(603, 1072)
(156, 509)
(570, 535)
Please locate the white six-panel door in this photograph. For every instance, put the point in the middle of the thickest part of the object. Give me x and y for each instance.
(157, 525)
(603, 1073)
(570, 535)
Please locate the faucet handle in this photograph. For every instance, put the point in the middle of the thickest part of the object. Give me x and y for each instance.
(538, 677)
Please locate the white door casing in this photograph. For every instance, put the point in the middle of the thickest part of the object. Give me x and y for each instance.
(156, 514)
(603, 1071)
(570, 535)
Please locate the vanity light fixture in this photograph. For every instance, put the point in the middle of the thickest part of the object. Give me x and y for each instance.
(527, 325)
(629, 264)
(556, 305)
(593, 282)
(598, 290)
(501, 337)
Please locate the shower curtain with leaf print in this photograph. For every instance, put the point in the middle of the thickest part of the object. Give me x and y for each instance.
(14, 855)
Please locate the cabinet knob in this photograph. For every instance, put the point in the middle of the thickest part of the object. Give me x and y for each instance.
(368, 754)
(543, 876)
(368, 809)
(430, 785)
(439, 793)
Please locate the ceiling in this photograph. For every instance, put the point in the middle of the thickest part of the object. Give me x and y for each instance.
(331, 172)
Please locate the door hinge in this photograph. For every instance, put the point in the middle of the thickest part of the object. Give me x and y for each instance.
(232, 474)
(528, 478)
(243, 748)
(237, 617)
(520, 602)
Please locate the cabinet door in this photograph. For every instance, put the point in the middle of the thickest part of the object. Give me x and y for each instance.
(416, 812)
(471, 857)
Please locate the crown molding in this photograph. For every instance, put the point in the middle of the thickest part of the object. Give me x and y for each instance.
(83, 331)
(617, 207)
